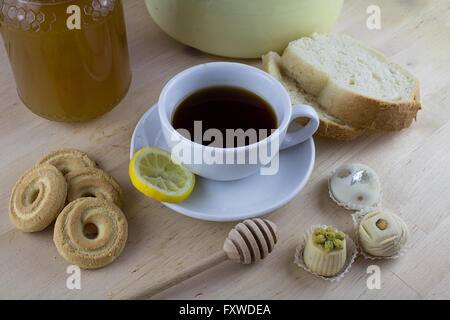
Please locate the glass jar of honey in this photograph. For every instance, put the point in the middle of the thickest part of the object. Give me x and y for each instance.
(69, 57)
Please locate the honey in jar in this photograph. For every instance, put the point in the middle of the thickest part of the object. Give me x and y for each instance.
(69, 57)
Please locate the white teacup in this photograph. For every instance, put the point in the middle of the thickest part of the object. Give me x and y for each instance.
(233, 163)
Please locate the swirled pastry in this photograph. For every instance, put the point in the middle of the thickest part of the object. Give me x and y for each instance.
(90, 233)
(355, 186)
(37, 198)
(325, 251)
(382, 234)
(92, 182)
(67, 160)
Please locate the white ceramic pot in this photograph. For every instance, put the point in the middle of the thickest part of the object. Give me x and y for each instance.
(243, 28)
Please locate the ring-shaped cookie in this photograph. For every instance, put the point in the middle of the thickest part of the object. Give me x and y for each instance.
(37, 198)
(90, 233)
(68, 160)
(95, 183)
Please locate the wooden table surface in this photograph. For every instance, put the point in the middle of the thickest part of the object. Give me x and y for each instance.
(413, 165)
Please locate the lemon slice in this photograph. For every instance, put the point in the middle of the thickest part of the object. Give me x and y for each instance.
(153, 173)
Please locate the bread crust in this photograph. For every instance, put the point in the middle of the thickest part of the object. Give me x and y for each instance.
(327, 128)
(361, 111)
(354, 109)
(339, 132)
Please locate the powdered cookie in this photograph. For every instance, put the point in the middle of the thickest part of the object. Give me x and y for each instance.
(37, 198)
(68, 160)
(92, 182)
(90, 233)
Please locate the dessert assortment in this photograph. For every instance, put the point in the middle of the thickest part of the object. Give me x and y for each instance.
(379, 234)
(66, 185)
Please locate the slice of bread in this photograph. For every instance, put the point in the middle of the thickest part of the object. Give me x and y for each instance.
(352, 82)
(329, 126)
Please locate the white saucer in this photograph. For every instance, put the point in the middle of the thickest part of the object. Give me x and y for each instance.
(234, 200)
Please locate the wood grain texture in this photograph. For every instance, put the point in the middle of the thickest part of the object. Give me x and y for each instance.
(413, 165)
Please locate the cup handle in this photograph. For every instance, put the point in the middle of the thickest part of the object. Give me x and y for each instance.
(301, 110)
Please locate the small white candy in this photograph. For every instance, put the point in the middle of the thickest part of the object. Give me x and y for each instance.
(355, 186)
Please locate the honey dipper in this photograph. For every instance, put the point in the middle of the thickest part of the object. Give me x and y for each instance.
(247, 243)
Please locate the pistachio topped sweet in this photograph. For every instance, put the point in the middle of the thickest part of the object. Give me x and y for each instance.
(328, 239)
(382, 234)
(325, 251)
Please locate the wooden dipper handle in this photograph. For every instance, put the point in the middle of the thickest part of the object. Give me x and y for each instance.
(248, 242)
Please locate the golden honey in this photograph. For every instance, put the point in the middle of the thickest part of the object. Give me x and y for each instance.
(64, 71)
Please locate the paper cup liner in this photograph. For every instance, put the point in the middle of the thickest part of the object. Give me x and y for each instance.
(352, 253)
(357, 218)
(349, 205)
